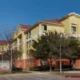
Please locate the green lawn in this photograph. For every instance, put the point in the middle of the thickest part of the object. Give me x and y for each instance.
(8, 72)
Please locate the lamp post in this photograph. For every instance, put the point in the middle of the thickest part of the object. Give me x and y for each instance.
(11, 59)
(60, 60)
(11, 49)
(60, 54)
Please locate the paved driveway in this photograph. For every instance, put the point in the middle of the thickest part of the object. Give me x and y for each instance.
(34, 76)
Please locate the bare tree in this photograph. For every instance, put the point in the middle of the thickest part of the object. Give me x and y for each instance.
(8, 37)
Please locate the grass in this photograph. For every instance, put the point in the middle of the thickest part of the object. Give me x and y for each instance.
(8, 72)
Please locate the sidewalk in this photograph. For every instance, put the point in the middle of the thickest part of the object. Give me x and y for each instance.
(71, 71)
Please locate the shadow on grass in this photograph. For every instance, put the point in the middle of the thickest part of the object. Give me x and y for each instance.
(14, 72)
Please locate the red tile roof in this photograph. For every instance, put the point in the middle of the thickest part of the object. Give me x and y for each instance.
(3, 42)
(54, 21)
(25, 26)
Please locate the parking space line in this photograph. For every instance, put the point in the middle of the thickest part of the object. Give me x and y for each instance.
(7, 78)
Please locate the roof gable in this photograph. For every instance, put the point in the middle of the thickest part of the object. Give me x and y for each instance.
(69, 15)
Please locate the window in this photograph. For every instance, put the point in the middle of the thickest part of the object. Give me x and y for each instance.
(28, 34)
(44, 27)
(44, 63)
(73, 28)
(29, 43)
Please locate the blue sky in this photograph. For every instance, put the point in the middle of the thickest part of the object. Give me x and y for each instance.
(14, 12)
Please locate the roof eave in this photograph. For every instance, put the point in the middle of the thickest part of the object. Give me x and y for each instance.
(52, 23)
(32, 27)
(71, 14)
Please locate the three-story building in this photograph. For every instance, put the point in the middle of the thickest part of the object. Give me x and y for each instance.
(68, 25)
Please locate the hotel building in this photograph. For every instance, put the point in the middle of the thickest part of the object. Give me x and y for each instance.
(23, 36)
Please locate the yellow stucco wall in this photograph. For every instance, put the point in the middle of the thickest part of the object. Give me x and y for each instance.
(66, 26)
(19, 41)
(34, 31)
(37, 30)
(71, 21)
(3, 48)
(59, 29)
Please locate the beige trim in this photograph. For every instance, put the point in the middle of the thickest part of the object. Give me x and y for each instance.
(43, 22)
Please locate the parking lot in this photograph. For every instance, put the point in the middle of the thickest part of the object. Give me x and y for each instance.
(34, 76)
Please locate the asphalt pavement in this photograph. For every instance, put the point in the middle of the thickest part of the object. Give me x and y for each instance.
(35, 76)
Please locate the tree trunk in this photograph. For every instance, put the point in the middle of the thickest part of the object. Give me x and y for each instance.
(70, 64)
(73, 66)
(50, 65)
